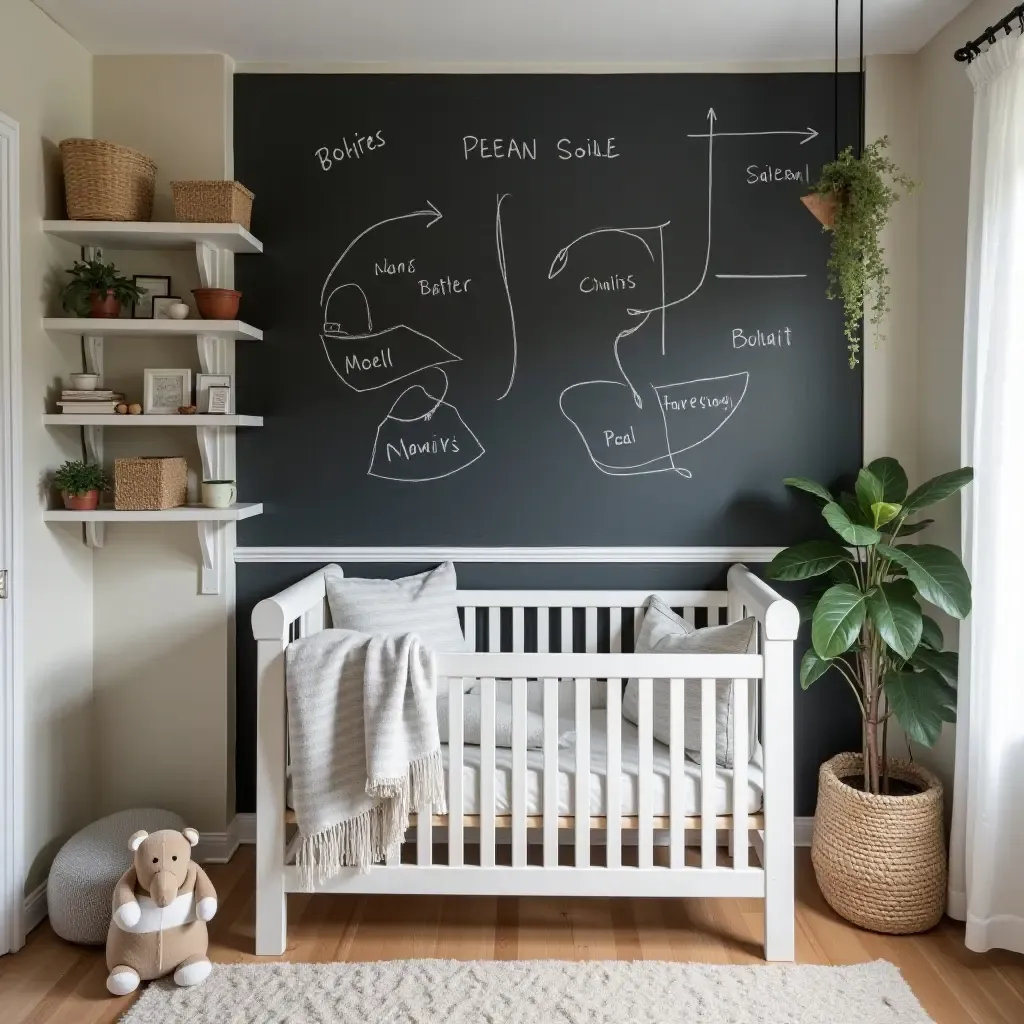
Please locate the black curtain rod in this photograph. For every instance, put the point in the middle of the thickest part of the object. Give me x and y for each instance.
(973, 49)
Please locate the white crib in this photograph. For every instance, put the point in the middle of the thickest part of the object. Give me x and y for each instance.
(489, 853)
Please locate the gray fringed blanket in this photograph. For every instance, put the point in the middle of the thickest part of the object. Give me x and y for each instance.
(362, 721)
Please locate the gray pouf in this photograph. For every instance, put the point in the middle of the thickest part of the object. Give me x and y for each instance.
(80, 888)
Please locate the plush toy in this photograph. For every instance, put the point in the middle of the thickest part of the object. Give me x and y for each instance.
(161, 906)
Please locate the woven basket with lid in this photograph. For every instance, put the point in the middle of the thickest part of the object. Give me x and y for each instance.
(880, 861)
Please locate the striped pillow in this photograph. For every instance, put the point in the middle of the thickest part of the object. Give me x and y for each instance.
(664, 632)
(423, 604)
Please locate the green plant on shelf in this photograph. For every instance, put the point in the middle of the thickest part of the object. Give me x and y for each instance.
(96, 278)
(75, 477)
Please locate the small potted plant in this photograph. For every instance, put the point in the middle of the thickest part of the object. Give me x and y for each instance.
(97, 290)
(853, 199)
(878, 847)
(80, 484)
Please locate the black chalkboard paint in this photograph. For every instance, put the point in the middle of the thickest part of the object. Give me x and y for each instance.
(449, 292)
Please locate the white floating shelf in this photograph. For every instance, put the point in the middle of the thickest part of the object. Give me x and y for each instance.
(182, 514)
(235, 330)
(109, 234)
(67, 419)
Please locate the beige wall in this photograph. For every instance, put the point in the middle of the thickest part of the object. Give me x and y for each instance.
(164, 686)
(45, 86)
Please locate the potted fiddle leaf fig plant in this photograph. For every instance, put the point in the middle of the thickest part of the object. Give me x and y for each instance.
(96, 289)
(80, 485)
(853, 199)
(878, 847)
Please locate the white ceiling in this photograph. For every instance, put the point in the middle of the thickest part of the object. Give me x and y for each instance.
(498, 30)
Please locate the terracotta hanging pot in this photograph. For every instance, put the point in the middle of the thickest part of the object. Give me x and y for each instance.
(106, 306)
(823, 206)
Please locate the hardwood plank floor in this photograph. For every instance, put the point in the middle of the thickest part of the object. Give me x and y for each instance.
(52, 982)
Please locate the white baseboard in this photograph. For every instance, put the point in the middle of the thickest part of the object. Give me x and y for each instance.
(220, 847)
(34, 912)
(243, 829)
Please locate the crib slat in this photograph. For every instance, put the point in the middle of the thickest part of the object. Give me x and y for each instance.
(590, 635)
(393, 855)
(455, 762)
(518, 630)
(543, 623)
(550, 772)
(519, 773)
(487, 772)
(615, 630)
(469, 628)
(707, 773)
(566, 647)
(613, 776)
(582, 804)
(645, 779)
(677, 777)
(690, 614)
(424, 836)
(638, 623)
(494, 630)
(741, 749)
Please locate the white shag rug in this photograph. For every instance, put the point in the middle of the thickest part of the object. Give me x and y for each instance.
(534, 992)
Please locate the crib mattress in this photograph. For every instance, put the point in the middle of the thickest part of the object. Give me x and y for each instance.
(628, 786)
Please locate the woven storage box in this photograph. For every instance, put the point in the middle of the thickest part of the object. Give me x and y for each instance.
(880, 861)
(149, 484)
(212, 202)
(104, 181)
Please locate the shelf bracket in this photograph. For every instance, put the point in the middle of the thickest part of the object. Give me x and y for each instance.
(213, 453)
(211, 267)
(211, 543)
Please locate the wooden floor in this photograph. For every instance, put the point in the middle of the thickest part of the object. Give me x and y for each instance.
(50, 980)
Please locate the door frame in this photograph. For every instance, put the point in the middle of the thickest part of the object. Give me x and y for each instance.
(12, 830)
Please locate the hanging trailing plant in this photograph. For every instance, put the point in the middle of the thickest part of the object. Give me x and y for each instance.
(853, 199)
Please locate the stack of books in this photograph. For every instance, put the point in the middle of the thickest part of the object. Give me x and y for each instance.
(99, 403)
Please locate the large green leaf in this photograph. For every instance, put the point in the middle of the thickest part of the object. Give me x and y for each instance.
(907, 529)
(893, 478)
(921, 703)
(849, 504)
(896, 615)
(869, 490)
(851, 532)
(938, 488)
(884, 512)
(837, 620)
(813, 558)
(931, 633)
(801, 483)
(812, 668)
(937, 573)
(945, 663)
(843, 573)
(806, 603)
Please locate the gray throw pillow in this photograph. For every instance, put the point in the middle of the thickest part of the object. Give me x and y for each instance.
(424, 604)
(664, 632)
(471, 718)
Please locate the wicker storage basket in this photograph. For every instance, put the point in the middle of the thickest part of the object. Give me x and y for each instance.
(212, 202)
(104, 181)
(880, 861)
(149, 484)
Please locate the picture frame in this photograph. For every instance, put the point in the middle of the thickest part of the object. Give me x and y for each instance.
(206, 381)
(166, 391)
(152, 286)
(219, 400)
(162, 304)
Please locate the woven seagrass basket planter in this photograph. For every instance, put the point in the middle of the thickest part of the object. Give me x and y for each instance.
(880, 861)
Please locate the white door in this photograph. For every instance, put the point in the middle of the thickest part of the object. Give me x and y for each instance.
(12, 833)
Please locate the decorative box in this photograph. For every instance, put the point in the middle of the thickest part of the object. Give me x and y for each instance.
(149, 484)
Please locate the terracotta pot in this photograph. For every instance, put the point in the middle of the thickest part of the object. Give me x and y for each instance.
(87, 502)
(217, 303)
(822, 206)
(106, 306)
(880, 861)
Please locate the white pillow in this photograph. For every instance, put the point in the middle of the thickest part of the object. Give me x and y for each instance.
(423, 604)
(664, 632)
(471, 719)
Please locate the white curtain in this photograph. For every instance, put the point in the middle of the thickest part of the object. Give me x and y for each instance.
(986, 886)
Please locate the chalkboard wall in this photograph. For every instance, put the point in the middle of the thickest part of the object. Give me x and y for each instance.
(539, 310)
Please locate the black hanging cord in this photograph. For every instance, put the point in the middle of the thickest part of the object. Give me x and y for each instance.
(835, 87)
(860, 89)
(972, 49)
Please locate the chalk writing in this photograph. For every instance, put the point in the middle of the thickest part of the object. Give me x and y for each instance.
(446, 286)
(354, 150)
(390, 268)
(498, 149)
(567, 150)
(767, 175)
(615, 283)
(781, 338)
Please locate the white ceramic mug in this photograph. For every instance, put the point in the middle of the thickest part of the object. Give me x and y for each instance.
(219, 493)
